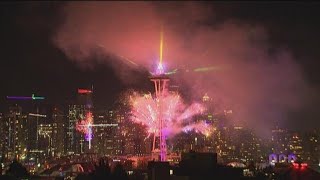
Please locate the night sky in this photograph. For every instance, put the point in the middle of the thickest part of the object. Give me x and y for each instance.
(31, 63)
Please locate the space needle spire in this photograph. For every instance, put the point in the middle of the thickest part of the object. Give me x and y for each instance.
(160, 81)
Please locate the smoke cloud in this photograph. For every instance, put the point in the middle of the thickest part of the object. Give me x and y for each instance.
(262, 85)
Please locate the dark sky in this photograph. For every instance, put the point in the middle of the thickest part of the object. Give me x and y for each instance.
(30, 63)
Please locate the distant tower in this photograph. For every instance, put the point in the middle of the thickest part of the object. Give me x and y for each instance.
(160, 84)
(160, 81)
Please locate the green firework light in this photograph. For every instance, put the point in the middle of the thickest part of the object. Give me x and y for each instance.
(205, 69)
(36, 97)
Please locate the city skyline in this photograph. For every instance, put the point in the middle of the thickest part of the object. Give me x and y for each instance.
(188, 89)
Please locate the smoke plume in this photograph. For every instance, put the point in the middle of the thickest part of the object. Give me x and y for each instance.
(262, 85)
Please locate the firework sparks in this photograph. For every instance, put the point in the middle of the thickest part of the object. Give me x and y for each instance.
(85, 126)
(176, 115)
(206, 69)
(196, 70)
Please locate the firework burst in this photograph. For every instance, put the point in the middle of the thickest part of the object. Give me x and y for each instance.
(85, 126)
(176, 115)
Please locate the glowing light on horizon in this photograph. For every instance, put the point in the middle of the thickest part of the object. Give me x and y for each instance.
(37, 115)
(205, 69)
(171, 72)
(84, 91)
(36, 97)
(19, 97)
(195, 70)
(32, 97)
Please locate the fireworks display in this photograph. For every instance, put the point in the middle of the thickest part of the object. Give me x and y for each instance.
(196, 70)
(175, 114)
(165, 114)
(85, 126)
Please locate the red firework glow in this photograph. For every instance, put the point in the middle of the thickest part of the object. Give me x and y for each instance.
(84, 126)
(176, 115)
(84, 91)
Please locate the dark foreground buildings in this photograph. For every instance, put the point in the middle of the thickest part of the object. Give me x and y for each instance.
(193, 166)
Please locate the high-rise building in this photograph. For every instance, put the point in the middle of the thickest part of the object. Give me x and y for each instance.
(311, 145)
(58, 132)
(76, 142)
(14, 127)
(296, 145)
(75, 139)
(100, 134)
(134, 136)
(248, 147)
(224, 147)
(33, 122)
(35, 153)
(208, 103)
(119, 116)
(45, 144)
(3, 140)
(109, 131)
(279, 141)
(104, 137)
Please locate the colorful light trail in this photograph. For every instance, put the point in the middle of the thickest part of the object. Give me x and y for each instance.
(206, 69)
(33, 97)
(161, 47)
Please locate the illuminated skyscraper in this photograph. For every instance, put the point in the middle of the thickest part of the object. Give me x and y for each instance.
(45, 144)
(76, 142)
(106, 137)
(3, 140)
(59, 133)
(311, 145)
(15, 133)
(279, 141)
(118, 116)
(75, 139)
(295, 145)
(33, 122)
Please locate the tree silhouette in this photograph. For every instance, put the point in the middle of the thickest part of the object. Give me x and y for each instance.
(102, 170)
(119, 173)
(1, 161)
(83, 177)
(17, 170)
